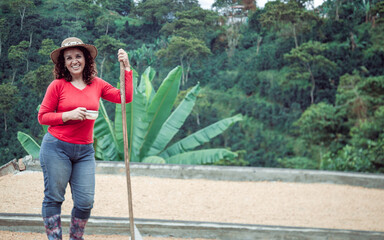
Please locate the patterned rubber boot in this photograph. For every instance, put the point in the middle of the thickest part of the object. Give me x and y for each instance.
(76, 230)
(53, 227)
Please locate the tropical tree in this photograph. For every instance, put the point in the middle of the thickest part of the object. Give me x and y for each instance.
(143, 56)
(22, 6)
(305, 59)
(47, 46)
(18, 54)
(8, 99)
(105, 21)
(291, 14)
(107, 47)
(184, 51)
(4, 32)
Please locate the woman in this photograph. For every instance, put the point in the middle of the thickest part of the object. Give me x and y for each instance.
(67, 154)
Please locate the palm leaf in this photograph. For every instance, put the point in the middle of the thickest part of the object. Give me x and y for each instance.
(154, 160)
(136, 127)
(29, 144)
(200, 137)
(146, 85)
(160, 107)
(106, 150)
(174, 122)
(201, 156)
(107, 145)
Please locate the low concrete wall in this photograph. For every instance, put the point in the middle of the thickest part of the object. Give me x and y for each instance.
(187, 229)
(243, 174)
(230, 173)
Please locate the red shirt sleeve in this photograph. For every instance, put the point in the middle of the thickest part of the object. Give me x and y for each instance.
(112, 94)
(47, 113)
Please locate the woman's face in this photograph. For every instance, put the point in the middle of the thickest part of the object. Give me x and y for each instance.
(74, 61)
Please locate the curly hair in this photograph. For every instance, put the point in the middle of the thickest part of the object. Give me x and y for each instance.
(89, 72)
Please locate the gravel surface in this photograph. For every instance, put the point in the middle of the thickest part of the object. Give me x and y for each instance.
(265, 203)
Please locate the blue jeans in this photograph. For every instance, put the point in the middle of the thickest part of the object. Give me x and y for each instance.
(64, 163)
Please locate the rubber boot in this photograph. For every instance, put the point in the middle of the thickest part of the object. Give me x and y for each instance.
(53, 227)
(76, 230)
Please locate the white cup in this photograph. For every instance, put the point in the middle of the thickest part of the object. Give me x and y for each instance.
(92, 115)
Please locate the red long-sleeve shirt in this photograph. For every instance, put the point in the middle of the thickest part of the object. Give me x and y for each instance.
(62, 96)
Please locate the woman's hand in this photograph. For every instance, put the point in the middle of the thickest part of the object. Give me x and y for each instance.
(123, 57)
(76, 114)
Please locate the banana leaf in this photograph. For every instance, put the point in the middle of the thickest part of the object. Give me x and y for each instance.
(201, 156)
(136, 127)
(154, 159)
(107, 146)
(29, 144)
(160, 108)
(106, 150)
(200, 137)
(146, 85)
(174, 122)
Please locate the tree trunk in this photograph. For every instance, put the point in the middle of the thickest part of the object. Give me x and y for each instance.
(5, 122)
(0, 46)
(295, 36)
(373, 24)
(13, 76)
(22, 15)
(101, 66)
(182, 71)
(187, 72)
(106, 30)
(259, 40)
(337, 10)
(198, 119)
(313, 83)
(30, 39)
(352, 39)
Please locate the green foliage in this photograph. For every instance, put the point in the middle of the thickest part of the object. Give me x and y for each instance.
(317, 124)
(305, 60)
(39, 79)
(276, 58)
(8, 97)
(298, 163)
(184, 51)
(347, 159)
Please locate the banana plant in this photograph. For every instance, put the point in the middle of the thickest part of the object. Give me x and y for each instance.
(152, 125)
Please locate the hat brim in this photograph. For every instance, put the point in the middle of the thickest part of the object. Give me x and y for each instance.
(91, 49)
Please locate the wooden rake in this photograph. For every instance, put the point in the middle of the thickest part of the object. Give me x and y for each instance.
(135, 234)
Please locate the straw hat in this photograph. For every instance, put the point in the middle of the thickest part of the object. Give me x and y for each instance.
(73, 42)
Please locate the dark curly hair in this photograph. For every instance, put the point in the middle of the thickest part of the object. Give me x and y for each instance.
(60, 71)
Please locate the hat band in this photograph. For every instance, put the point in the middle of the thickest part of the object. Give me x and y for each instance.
(71, 43)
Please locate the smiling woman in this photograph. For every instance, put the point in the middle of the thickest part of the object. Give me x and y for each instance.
(67, 153)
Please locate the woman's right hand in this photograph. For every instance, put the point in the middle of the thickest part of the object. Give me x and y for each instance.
(76, 114)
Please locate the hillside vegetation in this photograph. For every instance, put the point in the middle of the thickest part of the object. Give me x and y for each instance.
(309, 82)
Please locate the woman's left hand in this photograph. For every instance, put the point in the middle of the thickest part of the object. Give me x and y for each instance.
(123, 57)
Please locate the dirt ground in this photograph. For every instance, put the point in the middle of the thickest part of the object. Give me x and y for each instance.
(265, 203)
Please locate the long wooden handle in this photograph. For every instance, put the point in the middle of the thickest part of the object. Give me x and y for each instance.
(126, 150)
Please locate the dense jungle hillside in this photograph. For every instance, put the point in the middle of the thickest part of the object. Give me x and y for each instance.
(308, 81)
